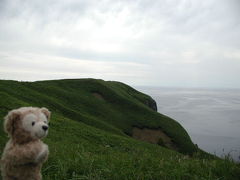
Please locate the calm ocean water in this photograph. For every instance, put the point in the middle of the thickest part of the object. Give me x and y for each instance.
(211, 117)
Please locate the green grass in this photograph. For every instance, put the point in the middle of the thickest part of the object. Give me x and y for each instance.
(122, 107)
(87, 137)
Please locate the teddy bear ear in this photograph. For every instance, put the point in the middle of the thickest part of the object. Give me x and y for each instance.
(9, 121)
(46, 112)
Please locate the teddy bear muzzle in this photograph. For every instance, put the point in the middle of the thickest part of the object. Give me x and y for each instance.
(45, 128)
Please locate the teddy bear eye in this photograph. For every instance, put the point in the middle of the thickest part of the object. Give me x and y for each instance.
(33, 123)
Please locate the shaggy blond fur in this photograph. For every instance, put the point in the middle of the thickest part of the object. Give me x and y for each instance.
(25, 153)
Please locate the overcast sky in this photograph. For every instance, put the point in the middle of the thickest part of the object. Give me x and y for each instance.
(181, 43)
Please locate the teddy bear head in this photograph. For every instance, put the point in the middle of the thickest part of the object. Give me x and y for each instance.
(27, 123)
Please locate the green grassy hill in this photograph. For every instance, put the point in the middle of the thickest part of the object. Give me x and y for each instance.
(92, 121)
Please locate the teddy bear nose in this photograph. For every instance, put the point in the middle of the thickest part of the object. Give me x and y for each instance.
(45, 128)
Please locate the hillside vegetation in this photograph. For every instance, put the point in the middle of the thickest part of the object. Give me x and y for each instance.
(91, 127)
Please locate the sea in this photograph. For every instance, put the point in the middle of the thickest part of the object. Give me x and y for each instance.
(210, 116)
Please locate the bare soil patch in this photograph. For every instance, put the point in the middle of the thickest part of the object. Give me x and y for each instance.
(154, 136)
(98, 95)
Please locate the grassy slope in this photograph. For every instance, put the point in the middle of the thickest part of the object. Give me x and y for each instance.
(94, 145)
(121, 108)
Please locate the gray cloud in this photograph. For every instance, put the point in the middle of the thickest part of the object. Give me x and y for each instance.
(178, 43)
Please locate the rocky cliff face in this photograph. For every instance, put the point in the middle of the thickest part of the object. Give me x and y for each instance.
(152, 104)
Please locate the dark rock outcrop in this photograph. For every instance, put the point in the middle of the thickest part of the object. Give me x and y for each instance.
(152, 104)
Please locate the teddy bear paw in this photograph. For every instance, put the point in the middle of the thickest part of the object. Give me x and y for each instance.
(42, 156)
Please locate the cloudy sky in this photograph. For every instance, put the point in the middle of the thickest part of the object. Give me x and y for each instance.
(180, 43)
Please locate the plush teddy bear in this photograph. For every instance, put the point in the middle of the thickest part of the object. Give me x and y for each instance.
(25, 153)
